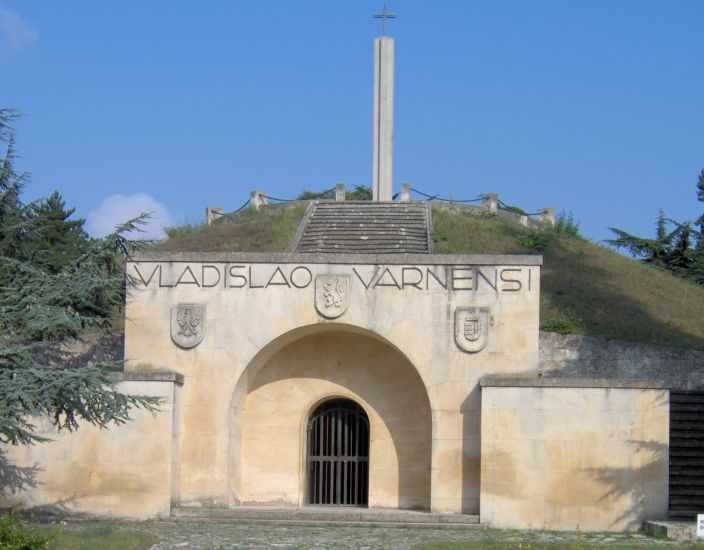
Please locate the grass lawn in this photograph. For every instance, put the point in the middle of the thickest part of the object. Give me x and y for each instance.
(103, 536)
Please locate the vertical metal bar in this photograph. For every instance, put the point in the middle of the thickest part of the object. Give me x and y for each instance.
(321, 420)
(338, 479)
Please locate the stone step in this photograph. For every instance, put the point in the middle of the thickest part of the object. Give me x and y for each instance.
(390, 233)
(676, 530)
(359, 250)
(364, 228)
(353, 226)
(361, 244)
(322, 514)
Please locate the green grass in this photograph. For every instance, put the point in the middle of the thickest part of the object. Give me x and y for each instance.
(271, 229)
(101, 535)
(586, 288)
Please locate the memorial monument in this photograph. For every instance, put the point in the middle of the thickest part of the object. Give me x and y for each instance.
(402, 381)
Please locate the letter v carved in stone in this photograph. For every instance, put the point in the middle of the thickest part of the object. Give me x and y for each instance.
(371, 279)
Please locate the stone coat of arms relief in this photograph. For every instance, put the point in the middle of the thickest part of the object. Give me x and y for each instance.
(188, 325)
(332, 295)
(472, 328)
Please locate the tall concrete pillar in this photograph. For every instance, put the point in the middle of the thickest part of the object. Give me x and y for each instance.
(382, 177)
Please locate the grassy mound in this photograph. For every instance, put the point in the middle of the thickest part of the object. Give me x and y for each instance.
(270, 229)
(586, 288)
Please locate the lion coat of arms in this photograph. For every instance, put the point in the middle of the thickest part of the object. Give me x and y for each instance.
(332, 295)
(472, 328)
(187, 324)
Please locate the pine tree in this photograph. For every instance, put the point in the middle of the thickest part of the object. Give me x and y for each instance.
(40, 308)
(56, 239)
(697, 269)
(680, 251)
(651, 251)
(11, 184)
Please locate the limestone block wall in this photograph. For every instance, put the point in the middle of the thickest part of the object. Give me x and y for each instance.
(122, 471)
(255, 305)
(561, 355)
(570, 454)
(573, 356)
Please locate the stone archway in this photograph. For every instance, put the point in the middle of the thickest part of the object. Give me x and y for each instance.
(272, 407)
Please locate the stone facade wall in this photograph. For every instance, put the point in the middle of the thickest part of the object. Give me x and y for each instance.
(561, 356)
(574, 454)
(255, 305)
(571, 356)
(128, 470)
(89, 349)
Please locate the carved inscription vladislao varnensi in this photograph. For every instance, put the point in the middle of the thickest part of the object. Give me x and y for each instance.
(472, 328)
(187, 324)
(332, 295)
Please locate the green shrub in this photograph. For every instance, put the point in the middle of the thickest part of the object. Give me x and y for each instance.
(307, 194)
(17, 534)
(563, 323)
(565, 224)
(534, 239)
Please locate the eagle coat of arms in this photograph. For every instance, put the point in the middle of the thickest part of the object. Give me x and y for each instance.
(187, 324)
(332, 295)
(472, 328)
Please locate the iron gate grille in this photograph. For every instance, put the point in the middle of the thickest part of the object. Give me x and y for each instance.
(338, 454)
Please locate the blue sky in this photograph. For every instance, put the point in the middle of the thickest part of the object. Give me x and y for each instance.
(595, 107)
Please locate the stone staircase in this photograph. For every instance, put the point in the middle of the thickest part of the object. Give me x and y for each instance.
(686, 454)
(328, 514)
(366, 227)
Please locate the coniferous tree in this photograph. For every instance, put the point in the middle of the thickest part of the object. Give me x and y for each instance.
(11, 183)
(680, 251)
(697, 269)
(40, 308)
(651, 251)
(56, 239)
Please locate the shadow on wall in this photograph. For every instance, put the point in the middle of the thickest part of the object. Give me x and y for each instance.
(642, 485)
(471, 451)
(14, 479)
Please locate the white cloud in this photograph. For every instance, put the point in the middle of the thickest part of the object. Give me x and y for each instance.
(117, 209)
(15, 34)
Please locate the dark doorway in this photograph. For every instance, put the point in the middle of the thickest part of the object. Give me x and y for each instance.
(686, 454)
(338, 454)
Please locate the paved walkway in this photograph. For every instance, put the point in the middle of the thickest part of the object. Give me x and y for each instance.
(211, 534)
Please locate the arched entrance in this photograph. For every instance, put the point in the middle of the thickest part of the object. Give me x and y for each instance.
(338, 454)
(281, 391)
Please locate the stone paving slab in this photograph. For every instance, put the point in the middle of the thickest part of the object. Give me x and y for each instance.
(211, 535)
